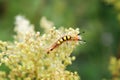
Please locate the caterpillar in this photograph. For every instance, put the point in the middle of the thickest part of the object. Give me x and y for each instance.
(64, 39)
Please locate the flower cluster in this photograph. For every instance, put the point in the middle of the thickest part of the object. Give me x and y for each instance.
(26, 58)
(115, 68)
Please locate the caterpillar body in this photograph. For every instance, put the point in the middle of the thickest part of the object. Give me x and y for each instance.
(62, 40)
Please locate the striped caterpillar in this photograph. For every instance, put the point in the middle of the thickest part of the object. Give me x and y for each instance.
(64, 39)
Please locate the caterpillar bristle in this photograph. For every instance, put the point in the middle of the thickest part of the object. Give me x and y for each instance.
(81, 32)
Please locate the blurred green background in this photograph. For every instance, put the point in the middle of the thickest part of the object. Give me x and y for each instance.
(95, 17)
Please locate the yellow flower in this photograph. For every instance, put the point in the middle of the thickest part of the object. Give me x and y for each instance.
(27, 58)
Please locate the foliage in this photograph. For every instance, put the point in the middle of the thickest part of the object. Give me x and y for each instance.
(114, 65)
(116, 5)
